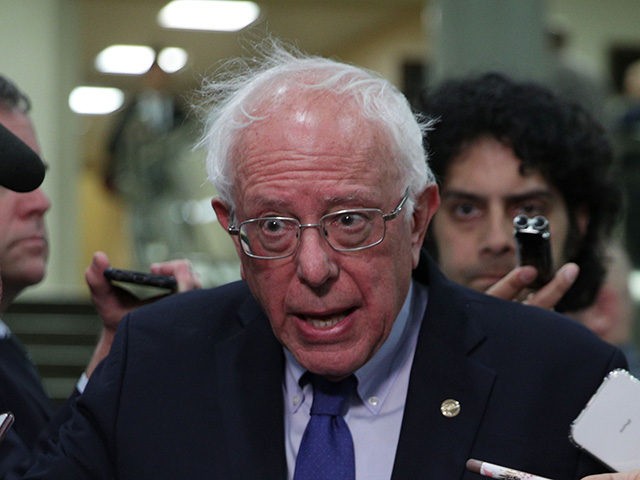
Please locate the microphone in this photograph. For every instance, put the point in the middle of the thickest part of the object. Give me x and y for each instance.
(21, 169)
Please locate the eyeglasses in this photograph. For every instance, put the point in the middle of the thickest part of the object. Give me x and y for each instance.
(270, 238)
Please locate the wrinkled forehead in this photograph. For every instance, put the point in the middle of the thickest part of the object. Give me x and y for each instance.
(302, 108)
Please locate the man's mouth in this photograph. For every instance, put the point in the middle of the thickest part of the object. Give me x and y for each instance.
(326, 321)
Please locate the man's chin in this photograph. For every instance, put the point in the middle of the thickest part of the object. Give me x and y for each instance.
(25, 278)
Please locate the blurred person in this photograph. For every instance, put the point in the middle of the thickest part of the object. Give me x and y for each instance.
(146, 158)
(503, 148)
(612, 314)
(624, 121)
(24, 250)
(571, 78)
(324, 186)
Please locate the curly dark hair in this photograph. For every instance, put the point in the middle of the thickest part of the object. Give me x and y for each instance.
(559, 139)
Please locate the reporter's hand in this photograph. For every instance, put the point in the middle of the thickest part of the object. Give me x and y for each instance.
(635, 475)
(514, 286)
(181, 269)
(113, 303)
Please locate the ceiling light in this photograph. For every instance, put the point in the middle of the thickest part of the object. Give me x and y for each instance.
(125, 59)
(172, 59)
(95, 100)
(226, 16)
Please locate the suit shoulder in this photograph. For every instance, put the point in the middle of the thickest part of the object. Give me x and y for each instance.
(505, 321)
(213, 308)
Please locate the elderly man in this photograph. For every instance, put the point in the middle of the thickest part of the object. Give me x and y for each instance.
(343, 353)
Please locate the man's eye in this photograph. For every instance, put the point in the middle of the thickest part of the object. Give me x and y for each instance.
(272, 225)
(350, 220)
(465, 210)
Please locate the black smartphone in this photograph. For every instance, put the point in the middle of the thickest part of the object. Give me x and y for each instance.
(6, 420)
(167, 282)
(533, 246)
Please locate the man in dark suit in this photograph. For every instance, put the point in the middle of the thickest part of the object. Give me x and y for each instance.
(24, 251)
(323, 184)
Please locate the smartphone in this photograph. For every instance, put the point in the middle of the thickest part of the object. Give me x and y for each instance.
(533, 246)
(167, 282)
(609, 425)
(6, 420)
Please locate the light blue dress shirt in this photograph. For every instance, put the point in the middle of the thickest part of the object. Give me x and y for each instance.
(376, 416)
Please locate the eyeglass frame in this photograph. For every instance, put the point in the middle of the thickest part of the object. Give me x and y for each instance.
(235, 229)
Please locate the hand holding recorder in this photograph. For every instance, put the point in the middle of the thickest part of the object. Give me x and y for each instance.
(535, 261)
(112, 302)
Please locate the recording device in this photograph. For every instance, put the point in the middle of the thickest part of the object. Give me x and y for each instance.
(533, 246)
(166, 282)
(609, 425)
(6, 420)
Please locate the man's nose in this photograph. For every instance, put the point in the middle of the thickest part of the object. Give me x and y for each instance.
(315, 258)
(498, 234)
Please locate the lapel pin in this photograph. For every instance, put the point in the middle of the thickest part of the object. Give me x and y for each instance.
(450, 408)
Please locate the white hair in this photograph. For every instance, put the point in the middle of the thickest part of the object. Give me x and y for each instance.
(232, 93)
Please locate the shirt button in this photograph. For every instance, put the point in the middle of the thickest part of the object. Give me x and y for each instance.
(374, 401)
(296, 400)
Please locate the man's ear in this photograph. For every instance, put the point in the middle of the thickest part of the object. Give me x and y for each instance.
(222, 212)
(224, 217)
(426, 204)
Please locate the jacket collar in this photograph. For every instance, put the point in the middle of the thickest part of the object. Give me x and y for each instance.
(431, 444)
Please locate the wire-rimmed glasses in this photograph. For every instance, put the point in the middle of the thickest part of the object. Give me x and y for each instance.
(270, 238)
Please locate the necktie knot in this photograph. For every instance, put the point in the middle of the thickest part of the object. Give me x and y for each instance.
(331, 398)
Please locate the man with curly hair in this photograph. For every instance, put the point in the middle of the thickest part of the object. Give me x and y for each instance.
(500, 148)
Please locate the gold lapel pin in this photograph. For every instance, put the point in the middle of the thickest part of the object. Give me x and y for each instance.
(450, 408)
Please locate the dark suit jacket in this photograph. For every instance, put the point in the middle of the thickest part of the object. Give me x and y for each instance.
(192, 389)
(21, 393)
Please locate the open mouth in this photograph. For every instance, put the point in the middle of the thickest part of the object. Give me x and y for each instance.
(326, 321)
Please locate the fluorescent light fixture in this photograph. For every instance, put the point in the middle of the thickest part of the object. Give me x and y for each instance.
(217, 15)
(95, 100)
(125, 59)
(172, 59)
(634, 285)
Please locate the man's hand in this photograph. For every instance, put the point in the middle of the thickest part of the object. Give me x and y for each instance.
(514, 286)
(635, 475)
(112, 303)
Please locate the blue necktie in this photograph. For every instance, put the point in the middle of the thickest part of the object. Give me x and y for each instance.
(326, 449)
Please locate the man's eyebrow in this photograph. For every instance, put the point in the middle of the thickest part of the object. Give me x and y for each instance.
(459, 195)
(537, 193)
(519, 197)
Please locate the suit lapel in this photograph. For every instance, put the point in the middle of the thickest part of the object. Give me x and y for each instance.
(250, 372)
(431, 444)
